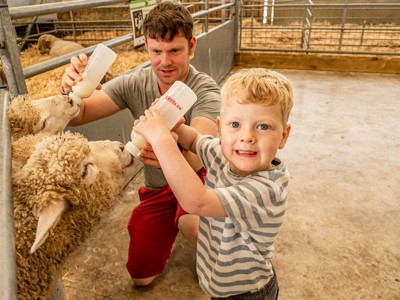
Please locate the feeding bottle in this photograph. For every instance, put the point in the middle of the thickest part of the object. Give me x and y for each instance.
(99, 62)
(172, 106)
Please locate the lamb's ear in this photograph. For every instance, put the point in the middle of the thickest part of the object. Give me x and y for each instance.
(49, 217)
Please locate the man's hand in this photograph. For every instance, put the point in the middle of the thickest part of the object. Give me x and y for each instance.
(71, 75)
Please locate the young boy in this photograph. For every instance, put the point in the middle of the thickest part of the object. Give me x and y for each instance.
(243, 202)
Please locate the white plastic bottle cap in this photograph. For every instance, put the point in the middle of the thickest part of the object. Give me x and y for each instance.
(133, 149)
(75, 98)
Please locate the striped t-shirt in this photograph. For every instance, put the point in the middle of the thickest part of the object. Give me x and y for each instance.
(234, 253)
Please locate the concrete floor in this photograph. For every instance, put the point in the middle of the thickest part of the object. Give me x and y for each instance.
(341, 235)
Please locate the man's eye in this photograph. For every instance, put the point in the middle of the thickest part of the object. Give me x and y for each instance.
(234, 125)
(263, 127)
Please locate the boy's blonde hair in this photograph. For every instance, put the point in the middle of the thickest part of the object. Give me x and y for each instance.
(259, 86)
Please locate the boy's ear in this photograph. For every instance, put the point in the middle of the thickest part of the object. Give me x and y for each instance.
(219, 127)
(285, 135)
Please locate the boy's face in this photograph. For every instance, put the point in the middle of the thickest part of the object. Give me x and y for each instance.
(251, 135)
(170, 60)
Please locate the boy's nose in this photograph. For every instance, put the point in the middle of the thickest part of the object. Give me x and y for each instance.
(247, 137)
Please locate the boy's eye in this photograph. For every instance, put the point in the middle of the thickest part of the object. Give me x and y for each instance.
(234, 125)
(263, 127)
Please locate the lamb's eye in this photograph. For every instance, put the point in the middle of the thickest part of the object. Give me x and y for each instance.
(85, 170)
(44, 125)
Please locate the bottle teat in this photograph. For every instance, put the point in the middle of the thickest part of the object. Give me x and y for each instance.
(133, 149)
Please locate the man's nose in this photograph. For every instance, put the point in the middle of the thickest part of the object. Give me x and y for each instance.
(165, 59)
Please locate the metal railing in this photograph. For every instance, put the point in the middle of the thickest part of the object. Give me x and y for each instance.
(8, 275)
(356, 28)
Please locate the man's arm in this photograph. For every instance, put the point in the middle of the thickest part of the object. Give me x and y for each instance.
(96, 107)
(185, 184)
(204, 126)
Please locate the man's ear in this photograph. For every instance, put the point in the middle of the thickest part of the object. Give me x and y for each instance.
(145, 44)
(192, 45)
(285, 135)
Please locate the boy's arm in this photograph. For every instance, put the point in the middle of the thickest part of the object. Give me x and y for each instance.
(185, 184)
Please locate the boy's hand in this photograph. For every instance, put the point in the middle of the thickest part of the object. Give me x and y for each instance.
(153, 128)
(148, 156)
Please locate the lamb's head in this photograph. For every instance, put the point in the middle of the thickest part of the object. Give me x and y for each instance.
(50, 114)
(66, 173)
(44, 43)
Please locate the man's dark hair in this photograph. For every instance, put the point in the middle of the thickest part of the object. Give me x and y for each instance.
(166, 20)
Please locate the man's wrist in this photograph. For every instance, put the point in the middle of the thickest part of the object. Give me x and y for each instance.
(63, 92)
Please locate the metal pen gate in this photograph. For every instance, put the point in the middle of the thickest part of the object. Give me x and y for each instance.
(320, 27)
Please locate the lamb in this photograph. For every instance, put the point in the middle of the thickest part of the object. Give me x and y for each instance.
(50, 114)
(67, 185)
(49, 44)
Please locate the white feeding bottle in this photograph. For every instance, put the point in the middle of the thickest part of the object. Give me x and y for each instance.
(99, 62)
(172, 106)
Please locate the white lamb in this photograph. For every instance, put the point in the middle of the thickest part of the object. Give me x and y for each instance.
(66, 187)
(49, 44)
(50, 114)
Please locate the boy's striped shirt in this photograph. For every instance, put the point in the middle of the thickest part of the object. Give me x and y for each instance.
(234, 253)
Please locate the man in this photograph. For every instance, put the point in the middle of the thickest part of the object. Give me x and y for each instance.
(155, 221)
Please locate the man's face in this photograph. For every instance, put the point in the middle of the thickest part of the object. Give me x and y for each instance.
(170, 60)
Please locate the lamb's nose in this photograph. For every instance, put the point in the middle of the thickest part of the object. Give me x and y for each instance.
(70, 101)
(121, 146)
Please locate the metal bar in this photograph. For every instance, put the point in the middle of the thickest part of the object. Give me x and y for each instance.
(27, 33)
(365, 22)
(222, 12)
(211, 10)
(8, 274)
(73, 25)
(76, 22)
(325, 29)
(65, 59)
(206, 21)
(343, 22)
(321, 51)
(389, 5)
(241, 26)
(50, 8)
(10, 54)
(235, 24)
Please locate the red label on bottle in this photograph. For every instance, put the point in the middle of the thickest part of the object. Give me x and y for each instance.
(172, 101)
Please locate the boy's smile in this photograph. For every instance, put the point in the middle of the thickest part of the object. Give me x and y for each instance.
(251, 135)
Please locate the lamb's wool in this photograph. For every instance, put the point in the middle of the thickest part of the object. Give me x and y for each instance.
(53, 174)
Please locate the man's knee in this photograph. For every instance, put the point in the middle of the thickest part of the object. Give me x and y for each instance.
(143, 281)
(189, 227)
